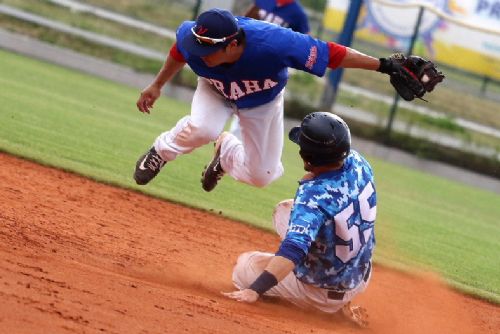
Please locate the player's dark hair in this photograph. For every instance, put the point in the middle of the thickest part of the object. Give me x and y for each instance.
(240, 37)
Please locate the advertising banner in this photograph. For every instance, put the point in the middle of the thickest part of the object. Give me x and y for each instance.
(460, 33)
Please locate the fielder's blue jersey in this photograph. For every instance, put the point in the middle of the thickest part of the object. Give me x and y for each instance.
(332, 223)
(290, 16)
(262, 70)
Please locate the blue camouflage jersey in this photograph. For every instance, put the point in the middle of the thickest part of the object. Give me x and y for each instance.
(262, 70)
(290, 15)
(330, 235)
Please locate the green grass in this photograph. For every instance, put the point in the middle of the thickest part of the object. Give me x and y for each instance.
(81, 45)
(303, 86)
(91, 126)
(170, 13)
(90, 22)
(165, 13)
(441, 224)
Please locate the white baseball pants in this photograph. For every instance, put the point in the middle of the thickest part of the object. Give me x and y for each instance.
(251, 264)
(255, 160)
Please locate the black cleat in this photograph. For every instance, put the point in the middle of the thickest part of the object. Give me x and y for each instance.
(213, 172)
(148, 166)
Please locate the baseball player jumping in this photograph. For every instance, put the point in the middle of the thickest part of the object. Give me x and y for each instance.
(242, 66)
(327, 231)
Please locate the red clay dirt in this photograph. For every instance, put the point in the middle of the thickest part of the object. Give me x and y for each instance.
(77, 256)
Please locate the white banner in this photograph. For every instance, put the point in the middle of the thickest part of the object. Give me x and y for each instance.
(463, 33)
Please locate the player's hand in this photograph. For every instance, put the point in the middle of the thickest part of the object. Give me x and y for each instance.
(148, 97)
(247, 295)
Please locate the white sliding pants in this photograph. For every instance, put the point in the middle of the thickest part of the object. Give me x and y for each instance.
(251, 264)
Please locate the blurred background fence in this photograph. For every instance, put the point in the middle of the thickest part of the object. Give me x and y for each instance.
(462, 116)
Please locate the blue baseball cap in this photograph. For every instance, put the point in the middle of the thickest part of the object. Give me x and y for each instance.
(213, 30)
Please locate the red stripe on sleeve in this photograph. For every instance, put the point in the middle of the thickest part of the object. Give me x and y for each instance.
(337, 54)
(174, 53)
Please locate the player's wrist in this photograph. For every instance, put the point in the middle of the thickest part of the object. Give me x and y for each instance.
(156, 85)
(387, 66)
(264, 282)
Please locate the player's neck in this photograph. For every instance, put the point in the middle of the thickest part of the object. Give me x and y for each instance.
(318, 170)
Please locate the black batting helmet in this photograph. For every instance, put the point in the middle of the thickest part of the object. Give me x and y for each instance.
(324, 138)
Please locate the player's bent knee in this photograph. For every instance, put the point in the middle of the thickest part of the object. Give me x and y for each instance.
(284, 205)
(249, 266)
(244, 259)
(281, 216)
(206, 135)
(241, 275)
(261, 179)
(196, 136)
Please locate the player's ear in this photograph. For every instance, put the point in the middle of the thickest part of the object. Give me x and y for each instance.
(307, 165)
(232, 44)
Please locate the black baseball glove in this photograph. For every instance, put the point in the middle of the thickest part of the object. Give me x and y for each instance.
(411, 76)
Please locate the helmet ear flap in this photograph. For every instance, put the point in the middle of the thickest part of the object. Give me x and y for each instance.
(307, 157)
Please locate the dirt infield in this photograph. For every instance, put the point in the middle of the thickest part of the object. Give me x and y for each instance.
(81, 257)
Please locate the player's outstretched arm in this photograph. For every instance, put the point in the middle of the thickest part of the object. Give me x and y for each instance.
(152, 92)
(355, 59)
(411, 76)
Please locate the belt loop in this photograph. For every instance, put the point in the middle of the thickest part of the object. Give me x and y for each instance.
(335, 295)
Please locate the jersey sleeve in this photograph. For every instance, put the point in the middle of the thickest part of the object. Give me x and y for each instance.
(337, 53)
(302, 52)
(306, 219)
(176, 54)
